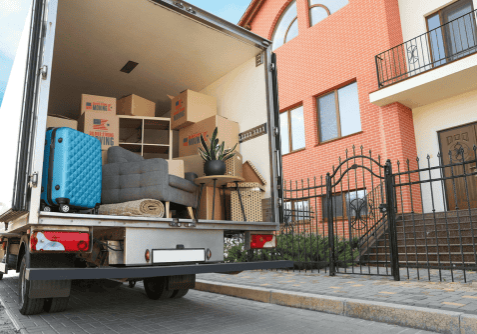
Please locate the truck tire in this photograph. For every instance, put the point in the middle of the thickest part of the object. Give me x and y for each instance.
(156, 288)
(179, 293)
(28, 306)
(58, 304)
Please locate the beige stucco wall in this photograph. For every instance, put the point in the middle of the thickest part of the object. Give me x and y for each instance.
(430, 119)
(413, 13)
(242, 97)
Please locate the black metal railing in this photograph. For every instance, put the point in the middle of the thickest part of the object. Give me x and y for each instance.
(408, 218)
(437, 47)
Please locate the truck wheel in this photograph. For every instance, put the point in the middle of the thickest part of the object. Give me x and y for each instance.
(1, 276)
(28, 306)
(132, 284)
(179, 293)
(47, 209)
(58, 304)
(156, 288)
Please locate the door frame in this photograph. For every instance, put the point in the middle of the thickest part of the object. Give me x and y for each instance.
(441, 161)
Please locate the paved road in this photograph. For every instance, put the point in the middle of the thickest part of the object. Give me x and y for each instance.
(439, 295)
(130, 311)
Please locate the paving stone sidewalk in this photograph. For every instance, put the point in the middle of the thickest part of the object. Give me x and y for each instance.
(446, 295)
(130, 311)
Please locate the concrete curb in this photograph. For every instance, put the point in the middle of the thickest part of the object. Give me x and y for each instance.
(440, 321)
(13, 319)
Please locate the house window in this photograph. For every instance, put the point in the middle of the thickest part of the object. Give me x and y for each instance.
(338, 113)
(452, 32)
(292, 130)
(321, 9)
(347, 204)
(287, 27)
(297, 211)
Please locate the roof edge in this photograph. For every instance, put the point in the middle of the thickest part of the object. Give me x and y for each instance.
(250, 13)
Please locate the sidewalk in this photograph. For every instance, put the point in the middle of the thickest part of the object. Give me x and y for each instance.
(439, 306)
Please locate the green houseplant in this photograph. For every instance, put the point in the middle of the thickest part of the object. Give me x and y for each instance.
(215, 155)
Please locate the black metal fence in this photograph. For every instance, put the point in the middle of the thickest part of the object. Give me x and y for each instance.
(439, 46)
(414, 219)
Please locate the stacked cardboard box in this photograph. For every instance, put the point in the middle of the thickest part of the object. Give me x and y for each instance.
(98, 119)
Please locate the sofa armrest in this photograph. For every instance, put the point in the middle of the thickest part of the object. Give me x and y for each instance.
(182, 184)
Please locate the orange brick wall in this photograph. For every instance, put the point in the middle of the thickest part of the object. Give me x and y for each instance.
(336, 51)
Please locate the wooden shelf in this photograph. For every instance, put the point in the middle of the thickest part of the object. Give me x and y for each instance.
(153, 135)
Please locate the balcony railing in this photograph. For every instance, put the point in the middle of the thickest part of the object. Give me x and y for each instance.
(437, 47)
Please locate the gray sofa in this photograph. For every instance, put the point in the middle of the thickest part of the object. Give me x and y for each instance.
(129, 177)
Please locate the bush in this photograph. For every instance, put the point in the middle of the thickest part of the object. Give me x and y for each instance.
(308, 251)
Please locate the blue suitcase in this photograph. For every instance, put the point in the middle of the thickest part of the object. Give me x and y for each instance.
(72, 171)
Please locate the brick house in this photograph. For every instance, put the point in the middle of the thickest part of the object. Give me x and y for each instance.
(326, 70)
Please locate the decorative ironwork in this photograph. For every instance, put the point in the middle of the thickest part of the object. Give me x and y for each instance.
(437, 47)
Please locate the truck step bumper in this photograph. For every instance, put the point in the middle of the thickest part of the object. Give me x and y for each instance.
(40, 274)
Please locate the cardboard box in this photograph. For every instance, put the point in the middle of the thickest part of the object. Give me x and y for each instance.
(103, 126)
(104, 157)
(58, 121)
(136, 106)
(189, 137)
(193, 164)
(93, 103)
(206, 200)
(176, 167)
(190, 107)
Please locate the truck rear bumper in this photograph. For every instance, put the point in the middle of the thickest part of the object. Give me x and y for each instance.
(40, 274)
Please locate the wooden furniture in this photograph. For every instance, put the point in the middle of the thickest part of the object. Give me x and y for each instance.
(216, 181)
(149, 137)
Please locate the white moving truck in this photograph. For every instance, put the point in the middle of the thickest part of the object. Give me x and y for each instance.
(75, 47)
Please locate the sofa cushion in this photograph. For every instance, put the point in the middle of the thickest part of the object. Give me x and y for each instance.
(183, 184)
(119, 154)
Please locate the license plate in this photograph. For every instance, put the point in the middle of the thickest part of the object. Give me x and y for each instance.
(178, 255)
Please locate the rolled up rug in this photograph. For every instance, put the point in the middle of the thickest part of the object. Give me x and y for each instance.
(142, 207)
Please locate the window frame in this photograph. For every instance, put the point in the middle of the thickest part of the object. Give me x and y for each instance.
(343, 195)
(307, 219)
(277, 24)
(290, 137)
(337, 111)
(310, 17)
(441, 22)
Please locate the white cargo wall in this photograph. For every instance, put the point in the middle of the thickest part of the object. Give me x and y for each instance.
(242, 97)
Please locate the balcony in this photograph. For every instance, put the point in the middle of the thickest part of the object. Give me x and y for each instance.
(435, 65)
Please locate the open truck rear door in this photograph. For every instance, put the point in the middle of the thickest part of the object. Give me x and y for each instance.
(27, 91)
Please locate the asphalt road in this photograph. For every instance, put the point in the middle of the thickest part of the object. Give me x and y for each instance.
(130, 311)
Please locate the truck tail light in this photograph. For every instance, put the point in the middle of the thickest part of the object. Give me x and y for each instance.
(259, 241)
(60, 241)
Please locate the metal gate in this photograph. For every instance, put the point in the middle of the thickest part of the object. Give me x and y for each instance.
(359, 212)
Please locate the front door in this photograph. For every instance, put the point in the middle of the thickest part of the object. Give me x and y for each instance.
(457, 147)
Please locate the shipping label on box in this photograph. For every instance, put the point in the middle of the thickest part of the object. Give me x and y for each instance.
(103, 126)
(189, 137)
(95, 103)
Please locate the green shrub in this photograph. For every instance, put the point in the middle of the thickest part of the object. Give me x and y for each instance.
(308, 251)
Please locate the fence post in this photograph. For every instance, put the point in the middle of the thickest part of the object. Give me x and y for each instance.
(329, 217)
(389, 183)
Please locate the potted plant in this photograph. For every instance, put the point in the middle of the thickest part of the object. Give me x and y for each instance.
(215, 155)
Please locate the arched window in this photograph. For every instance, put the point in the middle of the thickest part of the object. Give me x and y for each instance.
(321, 9)
(287, 27)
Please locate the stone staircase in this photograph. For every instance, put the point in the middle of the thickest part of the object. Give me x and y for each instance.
(444, 239)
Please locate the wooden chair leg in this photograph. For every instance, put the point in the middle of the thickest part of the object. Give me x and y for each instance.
(168, 213)
(191, 212)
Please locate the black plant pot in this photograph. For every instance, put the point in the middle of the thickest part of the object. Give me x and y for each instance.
(214, 167)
